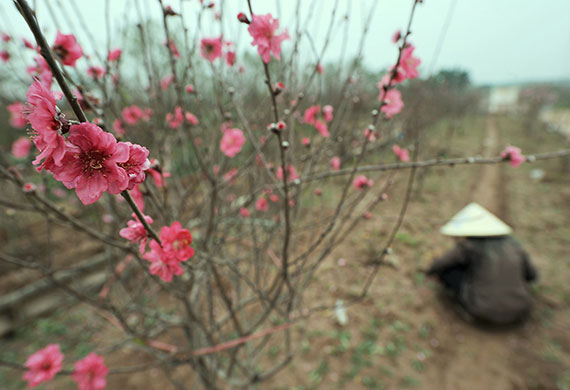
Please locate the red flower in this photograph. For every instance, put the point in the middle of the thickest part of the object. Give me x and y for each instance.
(175, 249)
(67, 48)
(90, 163)
(310, 114)
(401, 153)
(21, 147)
(362, 182)
(45, 118)
(135, 232)
(43, 365)
(95, 72)
(17, 118)
(136, 165)
(211, 48)
(232, 142)
(322, 128)
(114, 55)
(262, 204)
(91, 372)
(176, 119)
(263, 30)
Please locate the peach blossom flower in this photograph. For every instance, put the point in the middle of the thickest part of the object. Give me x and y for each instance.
(335, 163)
(67, 48)
(91, 373)
(232, 142)
(263, 30)
(21, 147)
(211, 48)
(43, 365)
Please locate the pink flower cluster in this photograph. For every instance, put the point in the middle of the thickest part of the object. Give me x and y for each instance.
(513, 154)
(263, 29)
(90, 373)
(90, 160)
(67, 48)
(232, 142)
(407, 68)
(311, 118)
(362, 182)
(165, 260)
(401, 153)
(133, 114)
(291, 173)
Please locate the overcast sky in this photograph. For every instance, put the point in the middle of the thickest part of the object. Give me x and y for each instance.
(497, 41)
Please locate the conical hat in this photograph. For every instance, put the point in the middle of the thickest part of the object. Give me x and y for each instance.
(475, 221)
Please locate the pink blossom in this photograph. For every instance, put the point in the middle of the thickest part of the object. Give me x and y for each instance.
(328, 112)
(322, 128)
(513, 154)
(95, 72)
(4, 55)
(90, 163)
(17, 117)
(306, 141)
(409, 63)
(119, 127)
(244, 212)
(166, 81)
(90, 373)
(229, 175)
(310, 114)
(211, 48)
(6, 37)
(162, 263)
(362, 182)
(41, 71)
(242, 18)
(232, 142)
(44, 116)
(29, 187)
(189, 88)
(28, 44)
(262, 204)
(274, 198)
(43, 365)
(67, 48)
(263, 30)
(21, 147)
(132, 114)
(397, 35)
(135, 232)
(172, 46)
(158, 176)
(369, 134)
(392, 100)
(401, 153)
(114, 55)
(320, 68)
(136, 164)
(230, 58)
(176, 119)
(335, 163)
(191, 118)
(175, 249)
(177, 240)
(291, 173)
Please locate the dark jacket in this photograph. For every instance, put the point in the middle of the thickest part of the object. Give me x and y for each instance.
(497, 270)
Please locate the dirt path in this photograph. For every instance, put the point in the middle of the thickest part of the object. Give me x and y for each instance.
(478, 359)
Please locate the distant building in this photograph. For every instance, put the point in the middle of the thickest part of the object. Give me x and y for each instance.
(503, 99)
